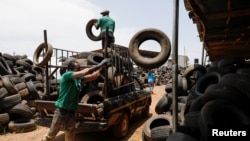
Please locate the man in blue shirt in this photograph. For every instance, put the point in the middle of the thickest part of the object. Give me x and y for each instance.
(151, 80)
(103, 22)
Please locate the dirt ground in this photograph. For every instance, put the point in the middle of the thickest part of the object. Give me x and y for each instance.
(136, 127)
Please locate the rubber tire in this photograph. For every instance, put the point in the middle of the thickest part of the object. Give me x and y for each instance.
(89, 32)
(9, 85)
(179, 136)
(163, 105)
(20, 111)
(147, 34)
(47, 56)
(120, 130)
(95, 58)
(221, 113)
(21, 126)
(155, 121)
(92, 97)
(205, 81)
(161, 133)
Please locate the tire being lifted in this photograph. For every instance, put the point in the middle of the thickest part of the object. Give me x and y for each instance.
(147, 34)
(89, 32)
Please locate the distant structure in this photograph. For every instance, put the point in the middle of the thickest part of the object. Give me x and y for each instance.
(182, 61)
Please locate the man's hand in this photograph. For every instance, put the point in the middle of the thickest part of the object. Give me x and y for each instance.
(100, 65)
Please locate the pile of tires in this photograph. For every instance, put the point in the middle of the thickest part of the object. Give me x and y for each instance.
(214, 96)
(21, 82)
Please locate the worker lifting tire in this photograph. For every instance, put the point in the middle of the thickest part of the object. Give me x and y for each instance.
(147, 34)
(89, 32)
(47, 56)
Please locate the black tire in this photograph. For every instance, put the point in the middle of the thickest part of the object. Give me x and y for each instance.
(120, 130)
(147, 34)
(9, 85)
(47, 56)
(221, 113)
(194, 67)
(29, 77)
(4, 118)
(20, 111)
(33, 94)
(27, 66)
(10, 101)
(163, 105)
(231, 64)
(218, 91)
(237, 81)
(205, 81)
(161, 133)
(146, 111)
(4, 67)
(179, 136)
(89, 32)
(83, 55)
(95, 58)
(3, 93)
(155, 121)
(93, 97)
(21, 125)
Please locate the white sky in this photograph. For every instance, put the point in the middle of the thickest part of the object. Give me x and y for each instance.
(23, 23)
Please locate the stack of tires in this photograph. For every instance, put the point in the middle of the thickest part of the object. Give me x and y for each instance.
(21, 82)
(217, 97)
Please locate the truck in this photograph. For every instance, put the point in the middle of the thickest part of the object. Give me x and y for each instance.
(107, 103)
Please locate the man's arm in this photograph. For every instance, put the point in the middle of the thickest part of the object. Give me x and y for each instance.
(87, 71)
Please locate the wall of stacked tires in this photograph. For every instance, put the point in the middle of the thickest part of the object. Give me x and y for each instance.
(21, 82)
(214, 96)
(163, 75)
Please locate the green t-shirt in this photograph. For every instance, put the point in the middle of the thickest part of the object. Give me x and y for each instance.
(105, 21)
(69, 92)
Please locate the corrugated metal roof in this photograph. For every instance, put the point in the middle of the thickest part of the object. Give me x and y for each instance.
(223, 25)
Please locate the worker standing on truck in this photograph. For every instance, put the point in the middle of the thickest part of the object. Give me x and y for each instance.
(103, 22)
(67, 102)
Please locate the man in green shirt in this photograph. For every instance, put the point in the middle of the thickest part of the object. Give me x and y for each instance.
(103, 22)
(67, 102)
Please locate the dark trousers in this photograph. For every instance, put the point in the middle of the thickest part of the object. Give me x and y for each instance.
(111, 39)
(62, 119)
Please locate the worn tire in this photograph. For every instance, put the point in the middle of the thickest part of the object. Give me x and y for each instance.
(92, 97)
(205, 81)
(21, 125)
(155, 121)
(161, 133)
(147, 34)
(163, 105)
(120, 130)
(89, 32)
(95, 58)
(179, 136)
(47, 56)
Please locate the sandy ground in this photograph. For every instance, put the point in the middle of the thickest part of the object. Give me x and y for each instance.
(136, 127)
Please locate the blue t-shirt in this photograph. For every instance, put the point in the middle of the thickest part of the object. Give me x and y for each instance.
(151, 77)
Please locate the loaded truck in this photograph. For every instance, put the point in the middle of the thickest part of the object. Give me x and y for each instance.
(107, 103)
